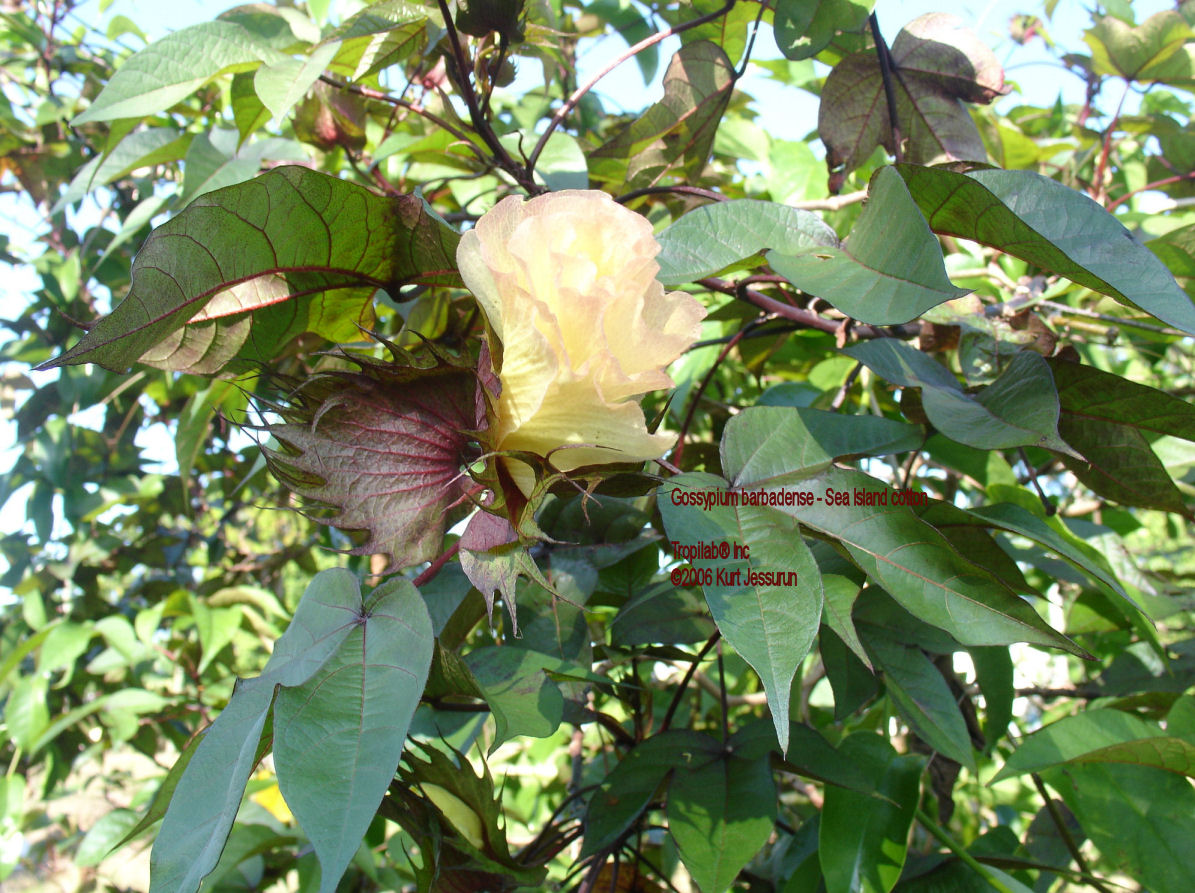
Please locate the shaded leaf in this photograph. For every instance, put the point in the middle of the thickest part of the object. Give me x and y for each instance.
(522, 695)
(770, 623)
(1120, 465)
(338, 736)
(864, 836)
(628, 788)
(1054, 227)
(805, 27)
(720, 814)
(290, 233)
(1141, 819)
(715, 236)
(883, 274)
(1089, 393)
(923, 698)
(170, 69)
(1020, 408)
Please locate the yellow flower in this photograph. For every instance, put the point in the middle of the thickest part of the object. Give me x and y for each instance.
(567, 282)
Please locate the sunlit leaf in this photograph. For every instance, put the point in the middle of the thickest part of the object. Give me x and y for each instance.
(883, 274)
(1054, 227)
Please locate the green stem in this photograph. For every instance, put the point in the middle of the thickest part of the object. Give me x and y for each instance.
(956, 848)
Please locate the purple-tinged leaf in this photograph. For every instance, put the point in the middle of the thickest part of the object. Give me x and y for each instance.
(299, 250)
(493, 559)
(939, 65)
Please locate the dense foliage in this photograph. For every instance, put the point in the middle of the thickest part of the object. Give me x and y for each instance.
(304, 398)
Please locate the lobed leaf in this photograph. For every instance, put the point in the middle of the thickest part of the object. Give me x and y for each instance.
(938, 64)
(678, 128)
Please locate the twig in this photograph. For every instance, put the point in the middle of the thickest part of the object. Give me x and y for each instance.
(684, 683)
(840, 397)
(807, 318)
(1041, 494)
(886, 75)
(683, 190)
(652, 40)
(436, 566)
(1064, 832)
(695, 399)
(522, 176)
(833, 203)
(370, 93)
(1165, 181)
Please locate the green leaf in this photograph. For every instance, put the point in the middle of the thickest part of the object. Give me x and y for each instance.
(381, 35)
(806, 27)
(628, 788)
(206, 798)
(678, 128)
(102, 837)
(916, 564)
(1137, 53)
(281, 84)
(338, 736)
(994, 673)
(170, 69)
(142, 148)
(1051, 533)
(888, 272)
(517, 684)
(922, 697)
(1020, 408)
(1053, 227)
(864, 837)
(770, 623)
(1101, 736)
(715, 236)
(26, 713)
(765, 445)
(720, 814)
(289, 234)
(1142, 820)
(1120, 465)
(1092, 394)
(840, 593)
